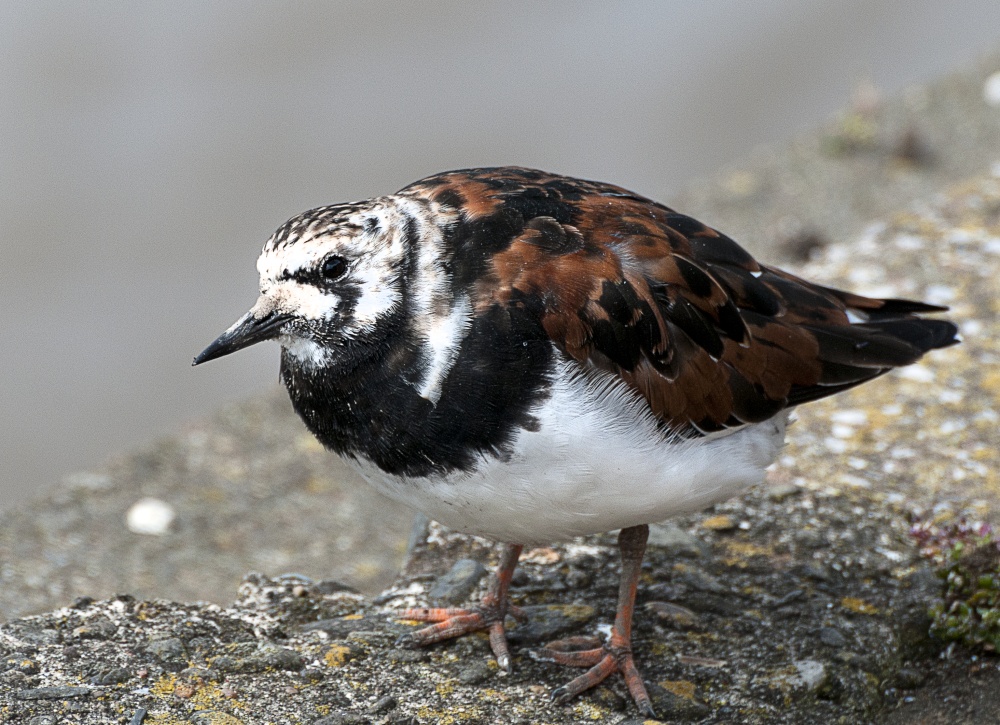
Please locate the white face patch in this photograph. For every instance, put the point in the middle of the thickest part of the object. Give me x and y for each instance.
(307, 352)
(371, 240)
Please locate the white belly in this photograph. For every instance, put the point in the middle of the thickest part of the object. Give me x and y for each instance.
(596, 463)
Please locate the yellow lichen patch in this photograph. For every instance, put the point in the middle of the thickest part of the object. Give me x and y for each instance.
(450, 716)
(681, 688)
(444, 688)
(164, 686)
(719, 523)
(588, 711)
(858, 606)
(337, 656)
(740, 551)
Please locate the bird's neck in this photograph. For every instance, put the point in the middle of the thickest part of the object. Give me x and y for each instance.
(374, 405)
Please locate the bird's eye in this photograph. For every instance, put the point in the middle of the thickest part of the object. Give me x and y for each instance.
(333, 268)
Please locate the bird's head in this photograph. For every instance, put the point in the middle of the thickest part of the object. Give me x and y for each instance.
(328, 278)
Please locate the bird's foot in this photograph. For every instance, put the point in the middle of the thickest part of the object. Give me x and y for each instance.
(603, 661)
(451, 623)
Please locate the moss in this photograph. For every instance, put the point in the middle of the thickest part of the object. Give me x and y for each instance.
(969, 610)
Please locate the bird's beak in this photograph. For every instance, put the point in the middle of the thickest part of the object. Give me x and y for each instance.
(246, 331)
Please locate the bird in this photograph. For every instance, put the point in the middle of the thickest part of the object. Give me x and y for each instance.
(531, 357)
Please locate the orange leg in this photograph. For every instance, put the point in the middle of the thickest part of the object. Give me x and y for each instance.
(488, 614)
(616, 654)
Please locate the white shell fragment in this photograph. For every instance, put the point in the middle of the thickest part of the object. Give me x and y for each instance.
(150, 516)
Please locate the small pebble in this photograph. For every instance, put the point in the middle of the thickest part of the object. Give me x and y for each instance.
(675, 541)
(455, 586)
(781, 491)
(150, 516)
(832, 637)
(673, 614)
(909, 679)
(384, 704)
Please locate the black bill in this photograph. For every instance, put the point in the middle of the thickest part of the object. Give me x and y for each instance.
(247, 331)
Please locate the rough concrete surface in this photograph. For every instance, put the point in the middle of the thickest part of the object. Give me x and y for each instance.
(803, 601)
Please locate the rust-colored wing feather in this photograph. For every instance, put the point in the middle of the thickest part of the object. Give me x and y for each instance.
(707, 335)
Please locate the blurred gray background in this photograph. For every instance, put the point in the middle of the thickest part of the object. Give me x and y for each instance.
(149, 149)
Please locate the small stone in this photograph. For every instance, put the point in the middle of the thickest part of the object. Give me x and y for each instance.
(201, 673)
(909, 679)
(810, 675)
(52, 693)
(816, 572)
(384, 704)
(781, 491)
(23, 665)
(832, 637)
(578, 579)
(266, 656)
(699, 581)
(473, 673)
(810, 539)
(96, 628)
(43, 720)
(675, 708)
(169, 650)
(455, 586)
(282, 658)
(792, 596)
(675, 541)
(549, 621)
(402, 720)
(720, 523)
(312, 675)
(673, 614)
(150, 516)
(111, 676)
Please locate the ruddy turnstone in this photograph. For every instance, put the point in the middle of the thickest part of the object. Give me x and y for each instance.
(530, 357)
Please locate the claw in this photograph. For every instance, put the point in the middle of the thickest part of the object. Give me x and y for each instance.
(560, 696)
